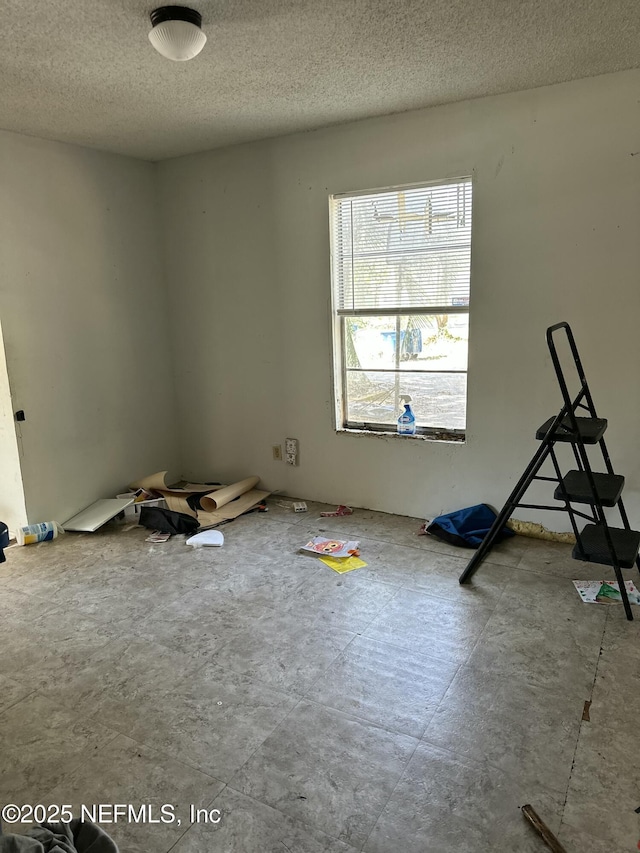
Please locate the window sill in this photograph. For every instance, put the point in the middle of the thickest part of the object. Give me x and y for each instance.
(438, 438)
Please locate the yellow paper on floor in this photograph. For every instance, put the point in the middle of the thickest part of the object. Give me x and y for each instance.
(346, 564)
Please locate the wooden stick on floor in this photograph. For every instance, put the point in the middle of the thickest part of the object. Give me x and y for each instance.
(542, 829)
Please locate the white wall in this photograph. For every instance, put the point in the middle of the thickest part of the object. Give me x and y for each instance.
(556, 223)
(85, 321)
(12, 507)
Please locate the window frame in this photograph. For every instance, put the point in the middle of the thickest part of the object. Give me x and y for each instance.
(339, 317)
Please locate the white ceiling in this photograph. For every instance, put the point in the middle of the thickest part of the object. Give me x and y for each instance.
(83, 70)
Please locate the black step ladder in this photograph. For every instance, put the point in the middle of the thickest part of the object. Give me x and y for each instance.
(597, 542)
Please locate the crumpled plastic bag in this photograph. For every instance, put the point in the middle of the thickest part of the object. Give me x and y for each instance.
(74, 837)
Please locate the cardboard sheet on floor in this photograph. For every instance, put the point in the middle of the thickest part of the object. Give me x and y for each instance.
(212, 502)
(94, 516)
(218, 503)
(233, 509)
(176, 499)
(215, 500)
(176, 503)
(158, 483)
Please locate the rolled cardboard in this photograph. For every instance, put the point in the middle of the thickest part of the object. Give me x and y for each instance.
(212, 502)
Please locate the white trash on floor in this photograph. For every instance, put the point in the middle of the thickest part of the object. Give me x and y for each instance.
(207, 537)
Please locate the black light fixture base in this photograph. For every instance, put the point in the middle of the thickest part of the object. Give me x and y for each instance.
(175, 13)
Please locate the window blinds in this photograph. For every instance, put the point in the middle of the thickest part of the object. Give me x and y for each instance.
(400, 249)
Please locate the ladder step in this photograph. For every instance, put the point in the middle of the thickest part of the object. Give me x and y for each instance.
(608, 486)
(625, 542)
(590, 430)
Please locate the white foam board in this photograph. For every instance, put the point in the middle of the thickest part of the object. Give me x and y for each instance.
(97, 514)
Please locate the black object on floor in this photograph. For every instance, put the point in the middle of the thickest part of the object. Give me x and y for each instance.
(167, 521)
(74, 837)
(4, 540)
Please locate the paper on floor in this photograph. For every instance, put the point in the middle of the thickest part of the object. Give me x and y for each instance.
(331, 547)
(345, 564)
(158, 536)
(605, 592)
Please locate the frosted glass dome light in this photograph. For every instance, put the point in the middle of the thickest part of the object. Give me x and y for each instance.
(177, 32)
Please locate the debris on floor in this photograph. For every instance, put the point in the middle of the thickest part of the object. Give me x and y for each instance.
(523, 528)
(76, 836)
(167, 521)
(466, 527)
(339, 555)
(606, 592)
(94, 516)
(206, 538)
(46, 531)
(139, 495)
(537, 531)
(343, 565)
(173, 597)
(339, 511)
(296, 506)
(185, 508)
(332, 547)
(209, 503)
(542, 829)
(4, 540)
(141, 498)
(158, 536)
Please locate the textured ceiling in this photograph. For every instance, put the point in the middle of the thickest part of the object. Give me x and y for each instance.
(83, 70)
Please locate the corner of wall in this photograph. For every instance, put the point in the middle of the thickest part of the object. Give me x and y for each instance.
(12, 500)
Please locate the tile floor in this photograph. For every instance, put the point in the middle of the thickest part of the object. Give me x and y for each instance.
(383, 709)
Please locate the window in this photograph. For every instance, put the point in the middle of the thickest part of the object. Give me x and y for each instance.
(401, 261)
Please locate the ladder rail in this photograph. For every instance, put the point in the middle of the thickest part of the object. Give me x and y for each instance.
(577, 362)
(536, 462)
(572, 405)
(565, 496)
(597, 506)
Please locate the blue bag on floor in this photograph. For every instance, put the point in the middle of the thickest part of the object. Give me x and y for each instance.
(467, 527)
(4, 540)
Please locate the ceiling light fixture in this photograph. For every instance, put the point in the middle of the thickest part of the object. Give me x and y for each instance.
(177, 32)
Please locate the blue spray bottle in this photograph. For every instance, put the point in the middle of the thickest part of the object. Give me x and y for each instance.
(407, 420)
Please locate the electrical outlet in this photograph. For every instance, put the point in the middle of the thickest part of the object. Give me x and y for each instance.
(277, 452)
(291, 451)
